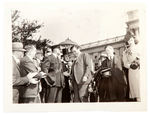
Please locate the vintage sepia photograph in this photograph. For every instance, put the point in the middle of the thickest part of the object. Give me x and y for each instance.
(75, 54)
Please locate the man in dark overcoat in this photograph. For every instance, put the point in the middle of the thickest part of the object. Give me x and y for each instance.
(52, 66)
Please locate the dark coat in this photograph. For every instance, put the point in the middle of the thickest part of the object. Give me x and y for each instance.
(66, 93)
(112, 88)
(18, 81)
(27, 66)
(53, 67)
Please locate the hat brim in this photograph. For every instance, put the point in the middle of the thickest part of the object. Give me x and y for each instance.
(23, 50)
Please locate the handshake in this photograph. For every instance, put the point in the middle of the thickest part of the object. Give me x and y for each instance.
(35, 77)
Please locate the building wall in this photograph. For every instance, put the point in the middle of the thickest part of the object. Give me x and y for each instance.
(96, 48)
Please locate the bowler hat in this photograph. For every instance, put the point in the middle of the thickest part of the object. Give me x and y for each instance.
(17, 46)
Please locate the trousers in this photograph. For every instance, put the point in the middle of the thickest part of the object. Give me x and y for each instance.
(80, 92)
(54, 95)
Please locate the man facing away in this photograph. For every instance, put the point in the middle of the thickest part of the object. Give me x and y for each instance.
(18, 81)
(81, 74)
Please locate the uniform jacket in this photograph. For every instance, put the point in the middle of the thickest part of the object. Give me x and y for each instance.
(27, 66)
(82, 67)
(18, 81)
(53, 67)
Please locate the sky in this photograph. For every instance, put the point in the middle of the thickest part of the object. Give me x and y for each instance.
(81, 22)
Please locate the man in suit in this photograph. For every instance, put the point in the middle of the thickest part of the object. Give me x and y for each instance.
(81, 75)
(18, 81)
(30, 93)
(53, 67)
(45, 82)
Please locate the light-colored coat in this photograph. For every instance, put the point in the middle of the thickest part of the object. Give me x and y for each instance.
(82, 67)
(134, 75)
(17, 81)
(27, 66)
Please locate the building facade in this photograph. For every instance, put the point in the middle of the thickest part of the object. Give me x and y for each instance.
(96, 48)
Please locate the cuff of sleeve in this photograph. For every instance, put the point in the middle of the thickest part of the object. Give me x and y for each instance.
(26, 79)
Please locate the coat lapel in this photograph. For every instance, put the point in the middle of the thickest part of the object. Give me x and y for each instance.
(78, 60)
(31, 61)
(15, 63)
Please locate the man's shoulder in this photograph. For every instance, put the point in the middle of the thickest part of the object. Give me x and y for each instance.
(24, 59)
(50, 57)
(85, 55)
(117, 58)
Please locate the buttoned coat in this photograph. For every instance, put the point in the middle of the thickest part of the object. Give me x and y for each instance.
(27, 66)
(53, 67)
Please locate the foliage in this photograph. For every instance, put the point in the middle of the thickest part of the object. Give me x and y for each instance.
(23, 29)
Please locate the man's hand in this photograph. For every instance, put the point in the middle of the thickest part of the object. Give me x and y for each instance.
(70, 85)
(84, 79)
(33, 81)
(43, 74)
(66, 73)
(31, 75)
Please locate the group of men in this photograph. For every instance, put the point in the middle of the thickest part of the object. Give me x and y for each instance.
(49, 79)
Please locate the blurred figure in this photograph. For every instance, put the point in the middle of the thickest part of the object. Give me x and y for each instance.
(103, 56)
(18, 80)
(66, 94)
(94, 85)
(52, 65)
(30, 93)
(38, 58)
(112, 85)
(45, 82)
(81, 74)
(37, 61)
(131, 60)
(96, 63)
(48, 51)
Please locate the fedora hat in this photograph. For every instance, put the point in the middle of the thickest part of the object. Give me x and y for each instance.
(17, 46)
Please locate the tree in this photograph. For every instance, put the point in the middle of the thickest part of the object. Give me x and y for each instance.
(23, 29)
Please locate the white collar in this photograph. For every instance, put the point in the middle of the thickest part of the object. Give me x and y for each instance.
(111, 57)
(55, 55)
(30, 57)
